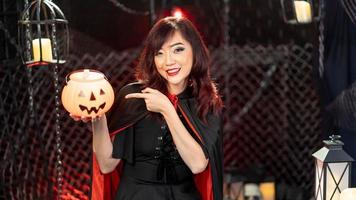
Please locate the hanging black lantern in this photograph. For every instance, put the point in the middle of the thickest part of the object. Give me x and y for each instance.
(299, 11)
(333, 170)
(43, 34)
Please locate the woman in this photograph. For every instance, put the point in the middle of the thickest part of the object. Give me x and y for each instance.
(167, 127)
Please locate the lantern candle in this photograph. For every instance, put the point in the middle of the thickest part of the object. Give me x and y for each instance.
(267, 190)
(348, 194)
(252, 191)
(303, 11)
(46, 48)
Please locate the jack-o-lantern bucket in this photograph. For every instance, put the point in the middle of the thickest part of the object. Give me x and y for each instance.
(87, 93)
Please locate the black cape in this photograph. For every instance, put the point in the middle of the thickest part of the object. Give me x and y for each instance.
(126, 112)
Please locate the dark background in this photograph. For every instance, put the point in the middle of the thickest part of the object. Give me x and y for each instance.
(277, 136)
(255, 21)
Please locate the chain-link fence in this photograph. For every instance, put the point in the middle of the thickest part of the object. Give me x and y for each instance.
(271, 117)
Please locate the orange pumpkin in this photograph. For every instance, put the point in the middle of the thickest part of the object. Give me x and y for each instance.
(87, 93)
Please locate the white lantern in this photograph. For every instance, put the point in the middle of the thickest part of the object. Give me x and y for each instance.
(87, 93)
(348, 194)
(333, 170)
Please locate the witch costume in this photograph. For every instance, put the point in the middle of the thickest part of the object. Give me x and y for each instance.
(150, 166)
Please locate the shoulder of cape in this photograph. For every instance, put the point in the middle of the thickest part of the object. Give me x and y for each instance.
(126, 111)
(131, 88)
(190, 106)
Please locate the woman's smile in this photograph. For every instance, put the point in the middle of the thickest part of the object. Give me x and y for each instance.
(173, 71)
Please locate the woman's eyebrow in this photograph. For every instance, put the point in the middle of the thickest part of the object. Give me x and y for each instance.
(175, 44)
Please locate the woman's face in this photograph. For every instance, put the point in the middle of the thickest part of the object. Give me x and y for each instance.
(174, 62)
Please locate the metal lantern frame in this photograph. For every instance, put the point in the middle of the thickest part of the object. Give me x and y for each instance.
(290, 15)
(44, 40)
(331, 153)
(43, 27)
(235, 183)
(232, 179)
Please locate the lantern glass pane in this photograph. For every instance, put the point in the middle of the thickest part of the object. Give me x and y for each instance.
(319, 180)
(236, 191)
(339, 172)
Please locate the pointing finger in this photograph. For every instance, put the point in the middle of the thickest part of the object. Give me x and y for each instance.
(149, 90)
(136, 95)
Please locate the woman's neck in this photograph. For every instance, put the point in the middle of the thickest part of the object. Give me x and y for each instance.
(176, 89)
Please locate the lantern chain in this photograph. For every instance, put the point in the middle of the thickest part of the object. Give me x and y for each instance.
(128, 10)
(321, 39)
(29, 70)
(226, 23)
(59, 164)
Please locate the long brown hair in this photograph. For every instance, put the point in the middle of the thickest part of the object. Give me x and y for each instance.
(204, 89)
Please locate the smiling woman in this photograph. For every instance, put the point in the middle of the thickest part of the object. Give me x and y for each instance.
(167, 127)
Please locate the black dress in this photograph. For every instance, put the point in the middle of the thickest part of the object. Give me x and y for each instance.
(145, 176)
(153, 169)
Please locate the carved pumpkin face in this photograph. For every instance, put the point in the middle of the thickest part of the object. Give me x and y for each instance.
(96, 102)
(87, 93)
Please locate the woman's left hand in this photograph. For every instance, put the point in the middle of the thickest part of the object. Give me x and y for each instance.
(154, 99)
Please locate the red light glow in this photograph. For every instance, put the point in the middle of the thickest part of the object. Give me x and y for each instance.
(177, 12)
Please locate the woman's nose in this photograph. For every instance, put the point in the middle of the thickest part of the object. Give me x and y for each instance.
(169, 59)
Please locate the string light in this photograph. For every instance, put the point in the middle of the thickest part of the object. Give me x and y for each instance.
(177, 12)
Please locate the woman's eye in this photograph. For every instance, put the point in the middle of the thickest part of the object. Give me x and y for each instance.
(179, 49)
(159, 53)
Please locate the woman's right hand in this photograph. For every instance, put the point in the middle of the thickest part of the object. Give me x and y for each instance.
(80, 118)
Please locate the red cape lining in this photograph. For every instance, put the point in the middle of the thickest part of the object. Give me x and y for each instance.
(104, 186)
